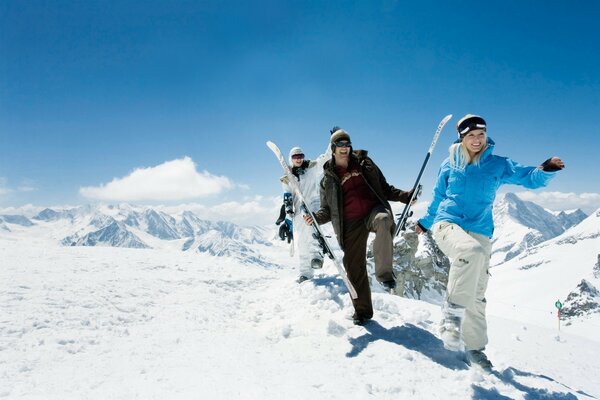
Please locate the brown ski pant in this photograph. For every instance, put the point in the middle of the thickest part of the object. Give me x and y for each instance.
(356, 233)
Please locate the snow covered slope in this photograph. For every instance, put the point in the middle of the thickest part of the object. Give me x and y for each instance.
(527, 287)
(118, 323)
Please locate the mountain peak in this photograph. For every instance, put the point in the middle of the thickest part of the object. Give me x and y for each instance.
(584, 300)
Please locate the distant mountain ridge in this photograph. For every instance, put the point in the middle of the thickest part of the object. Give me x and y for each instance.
(16, 219)
(521, 224)
(566, 267)
(143, 227)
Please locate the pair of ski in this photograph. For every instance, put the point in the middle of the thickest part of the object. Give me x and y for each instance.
(318, 234)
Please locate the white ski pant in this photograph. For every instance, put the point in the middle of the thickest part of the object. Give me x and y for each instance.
(307, 246)
(469, 254)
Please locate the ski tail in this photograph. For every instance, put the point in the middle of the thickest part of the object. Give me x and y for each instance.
(406, 213)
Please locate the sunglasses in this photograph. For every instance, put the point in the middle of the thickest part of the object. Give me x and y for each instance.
(343, 143)
(298, 157)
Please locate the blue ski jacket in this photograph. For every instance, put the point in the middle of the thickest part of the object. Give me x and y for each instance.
(466, 197)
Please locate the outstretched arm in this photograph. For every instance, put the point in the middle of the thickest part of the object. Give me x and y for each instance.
(531, 177)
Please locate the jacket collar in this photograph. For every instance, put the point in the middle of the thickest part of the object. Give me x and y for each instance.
(297, 171)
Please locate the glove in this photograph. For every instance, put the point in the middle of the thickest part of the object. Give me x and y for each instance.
(283, 231)
(281, 215)
(552, 164)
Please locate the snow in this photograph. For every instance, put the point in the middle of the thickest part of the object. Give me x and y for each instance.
(523, 224)
(525, 288)
(117, 323)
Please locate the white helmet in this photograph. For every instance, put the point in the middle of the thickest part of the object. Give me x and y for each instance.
(295, 151)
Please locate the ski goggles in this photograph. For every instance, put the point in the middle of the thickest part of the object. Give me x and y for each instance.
(470, 124)
(343, 143)
(298, 157)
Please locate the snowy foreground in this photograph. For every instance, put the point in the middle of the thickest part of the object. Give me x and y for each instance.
(110, 323)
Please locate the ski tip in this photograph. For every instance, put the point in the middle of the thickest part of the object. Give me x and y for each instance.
(271, 145)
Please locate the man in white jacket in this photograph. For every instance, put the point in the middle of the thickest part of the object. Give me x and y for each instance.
(309, 174)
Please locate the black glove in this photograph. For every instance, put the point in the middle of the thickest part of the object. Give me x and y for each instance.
(283, 231)
(552, 164)
(281, 215)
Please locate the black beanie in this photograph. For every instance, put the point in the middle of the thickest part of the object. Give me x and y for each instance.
(468, 123)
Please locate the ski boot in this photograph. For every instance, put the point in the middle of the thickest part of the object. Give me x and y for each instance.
(450, 327)
(477, 358)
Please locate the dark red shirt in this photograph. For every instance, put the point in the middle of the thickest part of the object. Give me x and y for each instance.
(359, 199)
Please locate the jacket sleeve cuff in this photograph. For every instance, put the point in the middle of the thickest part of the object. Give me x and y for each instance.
(425, 223)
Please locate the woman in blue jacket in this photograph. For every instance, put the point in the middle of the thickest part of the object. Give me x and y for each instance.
(460, 218)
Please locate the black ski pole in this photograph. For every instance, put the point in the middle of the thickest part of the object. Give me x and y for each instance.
(406, 213)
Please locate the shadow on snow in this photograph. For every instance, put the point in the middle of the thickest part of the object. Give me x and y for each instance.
(414, 338)
(410, 337)
(334, 285)
(508, 376)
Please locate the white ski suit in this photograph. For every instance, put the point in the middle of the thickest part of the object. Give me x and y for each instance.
(309, 177)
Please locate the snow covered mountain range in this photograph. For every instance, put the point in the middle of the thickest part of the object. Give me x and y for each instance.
(521, 224)
(564, 268)
(142, 228)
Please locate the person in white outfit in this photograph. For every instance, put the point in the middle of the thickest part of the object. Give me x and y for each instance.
(309, 174)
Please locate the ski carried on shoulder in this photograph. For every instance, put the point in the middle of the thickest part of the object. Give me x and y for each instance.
(406, 213)
(317, 232)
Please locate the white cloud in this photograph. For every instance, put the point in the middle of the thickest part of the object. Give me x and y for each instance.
(27, 186)
(560, 201)
(171, 181)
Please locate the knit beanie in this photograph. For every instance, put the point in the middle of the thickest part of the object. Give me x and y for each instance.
(468, 123)
(338, 135)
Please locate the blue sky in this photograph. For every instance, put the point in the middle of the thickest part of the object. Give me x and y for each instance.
(172, 101)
